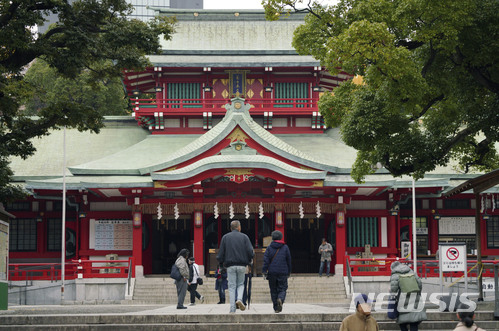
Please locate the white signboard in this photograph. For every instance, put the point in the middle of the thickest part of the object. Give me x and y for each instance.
(421, 230)
(113, 234)
(488, 286)
(452, 257)
(4, 250)
(405, 249)
(456, 225)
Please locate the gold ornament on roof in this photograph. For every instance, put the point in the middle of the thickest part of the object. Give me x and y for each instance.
(237, 135)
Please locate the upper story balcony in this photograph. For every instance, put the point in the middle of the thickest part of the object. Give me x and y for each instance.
(196, 107)
(183, 101)
(163, 116)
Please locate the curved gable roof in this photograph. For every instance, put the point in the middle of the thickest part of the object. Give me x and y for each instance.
(237, 115)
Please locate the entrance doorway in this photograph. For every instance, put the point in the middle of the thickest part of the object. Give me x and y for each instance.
(168, 238)
(214, 229)
(304, 236)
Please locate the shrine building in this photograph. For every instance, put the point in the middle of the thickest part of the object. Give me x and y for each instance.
(226, 126)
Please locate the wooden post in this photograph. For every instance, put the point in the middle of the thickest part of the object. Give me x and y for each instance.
(478, 245)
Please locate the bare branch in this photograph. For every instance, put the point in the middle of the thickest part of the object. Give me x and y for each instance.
(428, 63)
(427, 107)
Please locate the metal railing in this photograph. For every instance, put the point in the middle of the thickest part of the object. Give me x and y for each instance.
(426, 268)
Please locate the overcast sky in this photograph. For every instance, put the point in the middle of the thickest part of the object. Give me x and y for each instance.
(239, 4)
(232, 4)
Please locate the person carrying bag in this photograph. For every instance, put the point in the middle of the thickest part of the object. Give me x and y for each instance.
(408, 286)
(277, 267)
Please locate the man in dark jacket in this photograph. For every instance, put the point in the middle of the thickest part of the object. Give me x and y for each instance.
(277, 267)
(235, 253)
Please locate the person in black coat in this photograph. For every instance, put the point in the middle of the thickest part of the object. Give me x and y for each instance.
(277, 267)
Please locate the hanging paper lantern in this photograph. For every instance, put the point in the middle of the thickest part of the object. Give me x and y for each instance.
(246, 211)
(318, 209)
(260, 211)
(300, 210)
(160, 211)
(231, 211)
(175, 211)
(215, 210)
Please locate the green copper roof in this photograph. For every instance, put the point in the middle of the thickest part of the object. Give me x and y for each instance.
(239, 161)
(164, 151)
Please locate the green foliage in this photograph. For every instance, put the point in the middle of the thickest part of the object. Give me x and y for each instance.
(88, 48)
(104, 96)
(430, 71)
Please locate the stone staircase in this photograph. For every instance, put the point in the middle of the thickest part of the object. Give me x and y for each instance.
(296, 321)
(301, 289)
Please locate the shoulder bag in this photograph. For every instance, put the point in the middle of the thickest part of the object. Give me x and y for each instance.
(199, 279)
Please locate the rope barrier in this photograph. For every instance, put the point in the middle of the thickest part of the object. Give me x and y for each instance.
(454, 283)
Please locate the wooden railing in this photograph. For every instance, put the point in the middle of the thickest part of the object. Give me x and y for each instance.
(41, 271)
(426, 268)
(216, 106)
(73, 270)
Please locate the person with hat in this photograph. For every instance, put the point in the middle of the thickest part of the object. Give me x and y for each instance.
(408, 286)
(193, 282)
(181, 284)
(361, 319)
(277, 267)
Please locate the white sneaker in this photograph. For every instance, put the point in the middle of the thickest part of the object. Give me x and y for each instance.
(240, 305)
(192, 304)
(202, 299)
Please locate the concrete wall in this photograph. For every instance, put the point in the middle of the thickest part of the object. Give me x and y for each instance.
(79, 291)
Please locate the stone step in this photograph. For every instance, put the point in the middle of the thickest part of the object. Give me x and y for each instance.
(236, 322)
(306, 289)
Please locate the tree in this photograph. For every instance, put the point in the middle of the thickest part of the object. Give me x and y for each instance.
(92, 37)
(430, 69)
(106, 96)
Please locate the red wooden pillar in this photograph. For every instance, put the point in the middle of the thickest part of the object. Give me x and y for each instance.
(84, 237)
(137, 237)
(198, 237)
(392, 235)
(341, 243)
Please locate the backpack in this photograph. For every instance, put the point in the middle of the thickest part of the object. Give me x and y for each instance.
(175, 273)
(408, 283)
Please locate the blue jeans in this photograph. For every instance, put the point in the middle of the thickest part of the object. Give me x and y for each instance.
(235, 277)
(328, 263)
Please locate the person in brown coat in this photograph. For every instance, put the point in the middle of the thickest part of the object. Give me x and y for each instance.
(361, 319)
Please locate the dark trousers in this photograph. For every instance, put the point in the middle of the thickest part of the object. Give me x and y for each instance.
(181, 290)
(221, 291)
(278, 285)
(194, 293)
(409, 326)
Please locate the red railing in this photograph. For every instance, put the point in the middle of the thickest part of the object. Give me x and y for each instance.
(216, 106)
(41, 271)
(426, 268)
(73, 270)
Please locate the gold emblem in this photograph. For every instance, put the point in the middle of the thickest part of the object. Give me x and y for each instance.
(317, 183)
(237, 135)
(237, 105)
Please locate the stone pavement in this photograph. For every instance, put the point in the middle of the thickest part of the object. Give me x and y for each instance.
(198, 309)
(207, 317)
